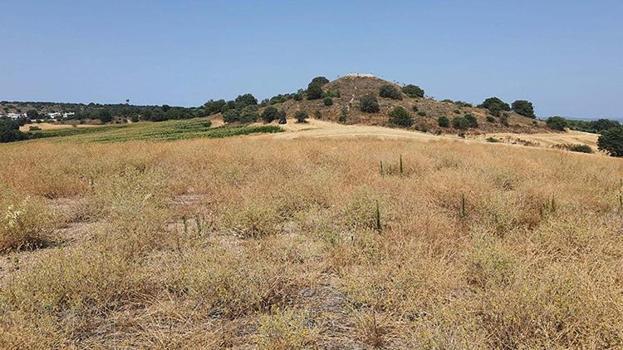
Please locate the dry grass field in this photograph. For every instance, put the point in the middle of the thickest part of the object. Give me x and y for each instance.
(278, 242)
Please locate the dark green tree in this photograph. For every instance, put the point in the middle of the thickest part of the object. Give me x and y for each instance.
(443, 121)
(495, 106)
(105, 116)
(390, 91)
(611, 141)
(369, 104)
(524, 108)
(301, 117)
(556, 123)
(269, 114)
(413, 91)
(400, 117)
(328, 101)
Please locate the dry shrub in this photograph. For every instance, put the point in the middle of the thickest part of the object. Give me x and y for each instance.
(285, 330)
(25, 222)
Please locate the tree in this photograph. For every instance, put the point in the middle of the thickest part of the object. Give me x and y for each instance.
(556, 123)
(9, 131)
(105, 116)
(460, 123)
(611, 141)
(603, 124)
(328, 101)
(165, 108)
(213, 107)
(343, 118)
(269, 114)
(524, 108)
(322, 81)
(231, 116)
(471, 121)
(314, 91)
(33, 114)
(283, 119)
(390, 91)
(413, 91)
(301, 117)
(400, 117)
(245, 100)
(369, 104)
(495, 105)
(249, 114)
(443, 121)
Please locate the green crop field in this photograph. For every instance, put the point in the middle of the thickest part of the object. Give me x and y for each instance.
(149, 131)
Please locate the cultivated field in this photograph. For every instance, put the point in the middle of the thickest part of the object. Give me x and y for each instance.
(286, 242)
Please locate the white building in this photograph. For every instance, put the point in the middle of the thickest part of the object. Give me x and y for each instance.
(16, 115)
(68, 115)
(54, 115)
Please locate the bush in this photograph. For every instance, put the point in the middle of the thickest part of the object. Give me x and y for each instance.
(460, 123)
(301, 117)
(9, 131)
(249, 114)
(413, 91)
(328, 101)
(495, 105)
(492, 139)
(575, 147)
(556, 123)
(213, 107)
(269, 114)
(471, 120)
(245, 100)
(524, 108)
(421, 113)
(490, 119)
(343, 115)
(369, 104)
(390, 91)
(314, 88)
(611, 141)
(283, 119)
(105, 116)
(443, 121)
(231, 116)
(400, 117)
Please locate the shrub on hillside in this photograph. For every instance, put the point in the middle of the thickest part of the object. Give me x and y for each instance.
(471, 120)
(231, 116)
(343, 115)
(390, 91)
(443, 121)
(460, 123)
(301, 117)
(369, 104)
(413, 91)
(490, 119)
(314, 88)
(105, 116)
(213, 107)
(524, 108)
(269, 114)
(328, 101)
(283, 119)
(249, 114)
(495, 105)
(400, 117)
(575, 147)
(556, 123)
(611, 141)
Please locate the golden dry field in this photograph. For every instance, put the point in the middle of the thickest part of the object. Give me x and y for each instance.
(284, 242)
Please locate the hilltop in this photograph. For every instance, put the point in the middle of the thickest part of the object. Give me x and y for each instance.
(340, 101)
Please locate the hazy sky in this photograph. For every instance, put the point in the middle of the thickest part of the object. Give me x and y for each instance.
(564, 55)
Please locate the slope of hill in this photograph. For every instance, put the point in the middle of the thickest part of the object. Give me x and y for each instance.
(425, 111)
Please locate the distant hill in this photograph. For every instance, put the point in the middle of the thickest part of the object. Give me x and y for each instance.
(345, 94)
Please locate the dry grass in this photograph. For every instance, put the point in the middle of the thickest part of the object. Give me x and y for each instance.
(272, 243)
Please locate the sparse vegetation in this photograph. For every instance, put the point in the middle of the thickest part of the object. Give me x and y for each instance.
(327, 101)
(575, 147)
(460, 123)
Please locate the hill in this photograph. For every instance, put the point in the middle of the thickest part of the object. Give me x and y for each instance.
(345, 94)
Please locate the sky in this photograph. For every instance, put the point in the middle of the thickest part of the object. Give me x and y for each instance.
(566, 56)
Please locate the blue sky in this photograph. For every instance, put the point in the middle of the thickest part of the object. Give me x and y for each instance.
(565, 56)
